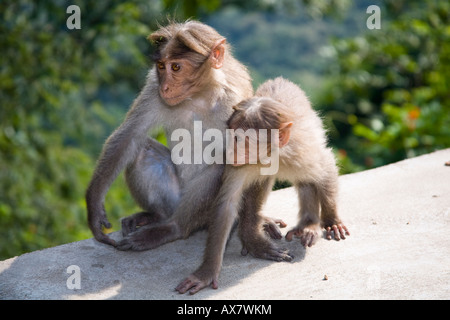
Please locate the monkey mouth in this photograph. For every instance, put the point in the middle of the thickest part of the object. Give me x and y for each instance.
(174, 100)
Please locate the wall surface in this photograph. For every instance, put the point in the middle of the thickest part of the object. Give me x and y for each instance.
(399, 248)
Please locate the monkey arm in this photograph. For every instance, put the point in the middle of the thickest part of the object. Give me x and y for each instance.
(115, 155)
(119, 150)
(253, 226)
(222, 217)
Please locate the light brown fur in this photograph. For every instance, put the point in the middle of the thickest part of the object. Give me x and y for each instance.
(304, 160)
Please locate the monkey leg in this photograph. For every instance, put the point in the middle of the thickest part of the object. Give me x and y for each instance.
(252, 224)
(150, 237)
(219, 229)
(190, 214)
(251, 204)
(330, 220)
(334, 226)
(130, 224)
(308, 229)
(154, 184)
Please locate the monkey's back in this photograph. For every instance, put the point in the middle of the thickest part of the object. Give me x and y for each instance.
(304, 118)
(308, 143)
(285, 92)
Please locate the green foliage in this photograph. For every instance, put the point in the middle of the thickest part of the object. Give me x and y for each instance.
(200, 9)
(54, 116)
(283, 42)
(387, 98)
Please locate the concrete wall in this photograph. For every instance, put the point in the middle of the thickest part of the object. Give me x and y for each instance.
(399, 217)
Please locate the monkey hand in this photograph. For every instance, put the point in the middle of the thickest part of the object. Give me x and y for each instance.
(308, 235)
(339, 230)
(261, 247)
(272, 227)
(197, 281)
(97, 221)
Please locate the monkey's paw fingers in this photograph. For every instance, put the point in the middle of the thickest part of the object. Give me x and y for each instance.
(278, 254)
(131, 242)
(307, 235)
(268, 252)
(124, 245)
(339, 230)
(97, 230)
(105, 239)
(272, 227)
(193, 284)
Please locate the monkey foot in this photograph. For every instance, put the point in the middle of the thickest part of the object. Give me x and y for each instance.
(149, 237)
(276, 254)
(339, 231)
(193, 284)
(307, 235)
(272, 227)
(130, 224)
(263, 248)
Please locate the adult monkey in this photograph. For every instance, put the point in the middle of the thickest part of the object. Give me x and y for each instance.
(195, 77)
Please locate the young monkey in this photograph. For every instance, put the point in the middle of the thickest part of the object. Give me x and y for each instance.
(295, 151)
(299, 154)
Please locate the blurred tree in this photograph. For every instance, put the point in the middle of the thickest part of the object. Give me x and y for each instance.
(285, 43)
(59, 92)
(387, 97)
(183, 9)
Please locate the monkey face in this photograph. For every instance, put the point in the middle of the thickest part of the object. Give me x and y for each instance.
(184, 60)
(258, 131)
(175, 80)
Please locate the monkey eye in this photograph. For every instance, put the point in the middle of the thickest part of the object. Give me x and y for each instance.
(176, 67)
(160, 65)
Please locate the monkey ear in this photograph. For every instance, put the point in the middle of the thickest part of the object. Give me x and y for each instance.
(285, 133)
(157, 38)
(218, 53)
(236, 108)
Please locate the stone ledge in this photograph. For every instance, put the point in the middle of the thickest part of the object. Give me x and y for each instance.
(398, 215)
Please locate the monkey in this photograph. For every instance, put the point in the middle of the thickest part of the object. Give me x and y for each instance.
(194, 78)
(297, 144)
(303, 156)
